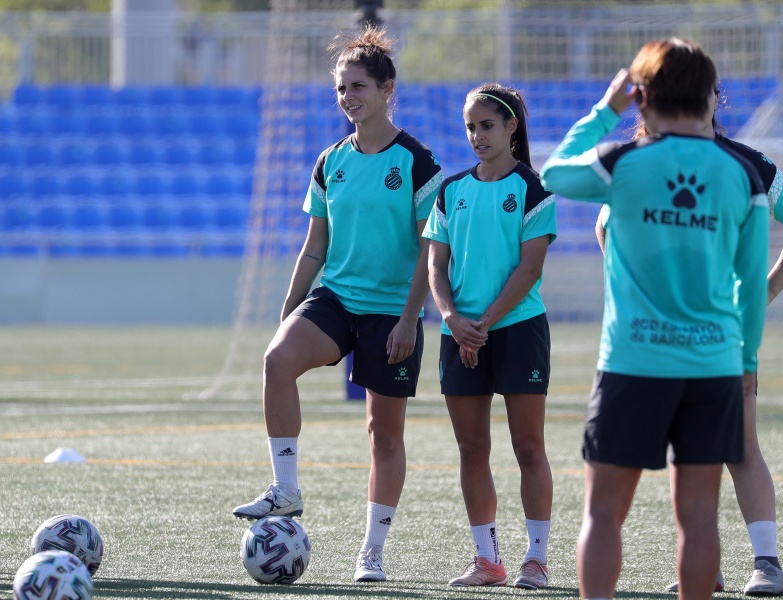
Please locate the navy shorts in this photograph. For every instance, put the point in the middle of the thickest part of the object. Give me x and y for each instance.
(365, 336)
(633, 421)
(515, 360)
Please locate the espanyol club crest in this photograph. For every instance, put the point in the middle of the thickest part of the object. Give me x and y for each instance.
(393, 180)
(510, 203)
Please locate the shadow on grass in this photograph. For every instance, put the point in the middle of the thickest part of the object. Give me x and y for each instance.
(195, 590)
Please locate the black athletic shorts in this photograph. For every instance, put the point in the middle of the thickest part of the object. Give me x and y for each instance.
(515, 360)
(365, 336)
(633, 421)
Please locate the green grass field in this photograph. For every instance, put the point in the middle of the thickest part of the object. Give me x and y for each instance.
(163, 473)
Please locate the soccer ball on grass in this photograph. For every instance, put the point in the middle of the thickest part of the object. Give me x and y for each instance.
(73, 534)
(55, 575)
(275, 550)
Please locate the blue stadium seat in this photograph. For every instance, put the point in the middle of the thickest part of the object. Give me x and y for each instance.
(114, 186)
(53, 216)
(13, 185)
(101, 124)
(185, 187)
(108, 154)
(95, 96)
(204, 125)
(19, 216)
(159, 216)
(151, 186)
(169, 125)
(244, 155)
(242, 124)
(193, 217)
(198, 96)
(61, 97)
(10, 155)
(237, 97)
(144, 154)
(67, 124)
(6, 124)
(80, 185)
(230, 216)
(130, 97)
(35, 123)
(45, 185)
(89, 217)
(214, 154)
(38, 155)
(73, 154)
(135, 125)
(177, 155)
(164, 96)
(221, 185)
(27, 95)
(124, 216)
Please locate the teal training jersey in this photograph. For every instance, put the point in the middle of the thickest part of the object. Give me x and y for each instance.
(372, 203)
(484, 224)
(685, 268)
(771, 177)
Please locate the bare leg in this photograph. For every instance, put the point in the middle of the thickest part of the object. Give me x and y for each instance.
(385, 428)
(695, 497)
(609, 492)
(470, 420)
(298, 346)
(526, 422)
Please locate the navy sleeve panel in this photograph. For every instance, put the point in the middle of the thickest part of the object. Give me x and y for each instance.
(441, 201)
(610, 152)
(756, 184)
(765, 167)
(535, 193)
(318, 170)
(425, 167)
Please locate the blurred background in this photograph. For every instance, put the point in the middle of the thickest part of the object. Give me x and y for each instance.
(154, 154)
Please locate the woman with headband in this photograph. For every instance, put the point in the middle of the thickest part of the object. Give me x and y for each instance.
(490, 230)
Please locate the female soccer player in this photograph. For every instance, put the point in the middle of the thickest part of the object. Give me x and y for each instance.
(689, 221)
(369, 199)
(490, 230)
(752, 480)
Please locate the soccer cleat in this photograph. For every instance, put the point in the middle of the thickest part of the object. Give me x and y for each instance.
(481, 572)
(767, 580)
(369, 565)
(533, 575)
(675, 587)
(274, 501)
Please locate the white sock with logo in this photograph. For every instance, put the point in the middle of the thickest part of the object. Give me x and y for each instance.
(764, 538)
(379, 520)
(283, 452)
(486, 538)
(537, 539)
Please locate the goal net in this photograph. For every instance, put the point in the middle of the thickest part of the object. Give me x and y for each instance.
(560, 54)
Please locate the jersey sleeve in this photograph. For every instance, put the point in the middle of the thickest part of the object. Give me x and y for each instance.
(774, 196)
(751, 268)
(574, 169)
(315, 201)
(541, 221)
(427, 178)
(437, 227)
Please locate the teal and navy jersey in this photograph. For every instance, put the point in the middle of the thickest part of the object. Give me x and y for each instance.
(685, 268)
(484, 224)
(771, 177)
(372, 203)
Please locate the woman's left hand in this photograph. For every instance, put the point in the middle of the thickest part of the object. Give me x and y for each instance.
(401, 341)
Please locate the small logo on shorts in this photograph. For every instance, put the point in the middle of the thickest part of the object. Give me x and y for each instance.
(402, 374)
(535, 376)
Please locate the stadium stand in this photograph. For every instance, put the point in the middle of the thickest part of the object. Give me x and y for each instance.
(139, 171)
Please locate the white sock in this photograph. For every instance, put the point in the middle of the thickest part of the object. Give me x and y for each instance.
(283, 452)
(537, 539)
(486, 538)
(379, 520)
(764, 538)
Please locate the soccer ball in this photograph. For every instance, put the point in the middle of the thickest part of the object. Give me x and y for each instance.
(73, 534)
(275, 550)
(55, 575)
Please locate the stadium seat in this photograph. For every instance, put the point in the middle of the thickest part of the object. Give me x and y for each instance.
(89, 217)
(95, 96)
(198, 96)
(73, 154)
(178, 155)
(130, 97)
(164, 96)
(159, 216)
(230, 216)
(214, 154)
(13, 185)
(45, 185)
(67, 124)
(35, 123)
(244, 155)
(80, 185)
(221, 185)
(242, 124)
(27, 95)
(185, 187)
(150, 186)
(38, 155)
(114, 186)
(193, 217)
(238, 97)
(108, 154)
(101, 124)
(18, 216)
(6, 124)
(144, 154)
(10, 155)
(169, 125)
(135, 125)
(59, 97)
(53, 216)
(124, 217)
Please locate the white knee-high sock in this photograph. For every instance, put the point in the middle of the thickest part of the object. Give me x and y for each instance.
(283, 452)
(764, 538)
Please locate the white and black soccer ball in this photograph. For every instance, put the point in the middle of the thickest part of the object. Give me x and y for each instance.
(73, 534)
(55, 575)
(275, 550)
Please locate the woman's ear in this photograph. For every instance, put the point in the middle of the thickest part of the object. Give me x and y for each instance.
(641, 97)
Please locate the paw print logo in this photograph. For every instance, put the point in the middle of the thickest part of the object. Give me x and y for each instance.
(461, 204)
(403, 372)
(339, 174)
(535, 374)
(686, 190)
